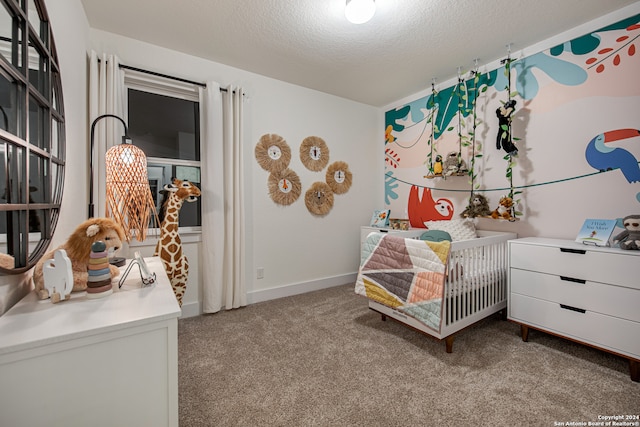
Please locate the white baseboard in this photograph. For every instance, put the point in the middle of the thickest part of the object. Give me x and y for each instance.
(195, 308)
(191, 309)
(299, 288)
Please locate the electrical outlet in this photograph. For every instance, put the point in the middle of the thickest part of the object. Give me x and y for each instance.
(260, 273)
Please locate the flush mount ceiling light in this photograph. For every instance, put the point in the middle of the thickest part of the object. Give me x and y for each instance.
(359, 11)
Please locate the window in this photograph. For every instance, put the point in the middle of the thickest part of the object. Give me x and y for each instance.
(32, 134)
(164, 121)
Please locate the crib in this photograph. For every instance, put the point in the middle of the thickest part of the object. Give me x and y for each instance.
(475, 286)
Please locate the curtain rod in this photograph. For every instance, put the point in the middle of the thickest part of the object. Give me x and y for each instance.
(153, 73)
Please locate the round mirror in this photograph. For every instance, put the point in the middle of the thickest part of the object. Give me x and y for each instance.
(32, 134)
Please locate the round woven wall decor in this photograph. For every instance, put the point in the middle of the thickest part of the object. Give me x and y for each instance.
(273, 153)
(314, 153)
(319, 198)
(284, 186)
(339, 177)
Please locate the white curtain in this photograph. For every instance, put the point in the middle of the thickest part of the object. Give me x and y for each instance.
(107, 95)
(223, 251)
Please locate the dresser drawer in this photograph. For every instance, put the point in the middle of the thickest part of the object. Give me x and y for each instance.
(612, 333)
(616, 268)
(610, 300)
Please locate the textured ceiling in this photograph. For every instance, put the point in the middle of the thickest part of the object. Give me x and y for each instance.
(406, 45)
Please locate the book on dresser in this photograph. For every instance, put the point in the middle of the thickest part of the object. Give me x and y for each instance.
(596, 232)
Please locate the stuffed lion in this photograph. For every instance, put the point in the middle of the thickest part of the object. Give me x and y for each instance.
(78, 248)
(503, 211)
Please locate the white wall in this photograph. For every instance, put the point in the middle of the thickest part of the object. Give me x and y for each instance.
(298, 252)
(71, 34)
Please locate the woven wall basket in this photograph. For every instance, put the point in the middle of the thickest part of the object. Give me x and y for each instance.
(319, 198)
(284, 186)
(272, 153)
(339, 177)
(314, 153)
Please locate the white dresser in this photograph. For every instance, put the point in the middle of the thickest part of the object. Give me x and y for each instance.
(111, 361)
(366, 230)
(584, 293)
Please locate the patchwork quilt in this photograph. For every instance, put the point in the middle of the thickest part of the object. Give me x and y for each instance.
(405, 274)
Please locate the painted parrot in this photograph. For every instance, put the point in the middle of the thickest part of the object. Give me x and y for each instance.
(604, 157)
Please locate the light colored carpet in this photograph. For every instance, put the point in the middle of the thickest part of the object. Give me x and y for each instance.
(325, 359)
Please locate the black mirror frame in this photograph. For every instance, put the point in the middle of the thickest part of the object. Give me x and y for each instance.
(33, 71)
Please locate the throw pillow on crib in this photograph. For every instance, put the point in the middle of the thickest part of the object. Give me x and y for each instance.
(459, 229)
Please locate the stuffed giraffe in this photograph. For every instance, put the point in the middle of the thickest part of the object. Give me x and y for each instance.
(169, 247)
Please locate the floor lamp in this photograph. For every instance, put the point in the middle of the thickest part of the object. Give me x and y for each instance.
(128, 197)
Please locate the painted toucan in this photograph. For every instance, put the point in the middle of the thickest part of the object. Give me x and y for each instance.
(603, 157)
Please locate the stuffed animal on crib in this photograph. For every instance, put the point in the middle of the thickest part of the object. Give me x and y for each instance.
(503, 211)
(478, 206)
(503, 140)
(78, 249)
(629, 239)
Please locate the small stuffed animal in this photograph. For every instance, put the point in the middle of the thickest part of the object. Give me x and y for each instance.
(453, 164)
(503, 211)
(78, 248)
(630, 237)
(503, 139)
(437, 166)
(478, 206)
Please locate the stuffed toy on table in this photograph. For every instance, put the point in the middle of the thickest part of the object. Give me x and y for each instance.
(78, 249)
(629, 239)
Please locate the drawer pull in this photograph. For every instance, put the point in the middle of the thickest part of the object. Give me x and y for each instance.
(568, 307)
(383, 231)
(573, 251)
(571, 279)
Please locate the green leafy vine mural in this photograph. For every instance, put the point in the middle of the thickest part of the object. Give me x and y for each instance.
(450, 113)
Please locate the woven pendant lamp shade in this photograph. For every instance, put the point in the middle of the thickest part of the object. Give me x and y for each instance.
(129, 199)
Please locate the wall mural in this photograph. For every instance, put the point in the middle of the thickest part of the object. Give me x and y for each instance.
(586, 89)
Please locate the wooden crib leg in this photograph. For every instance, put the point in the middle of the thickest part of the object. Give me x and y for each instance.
(634, 370)
(384, 317)
(449, 343)
(524, 332)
